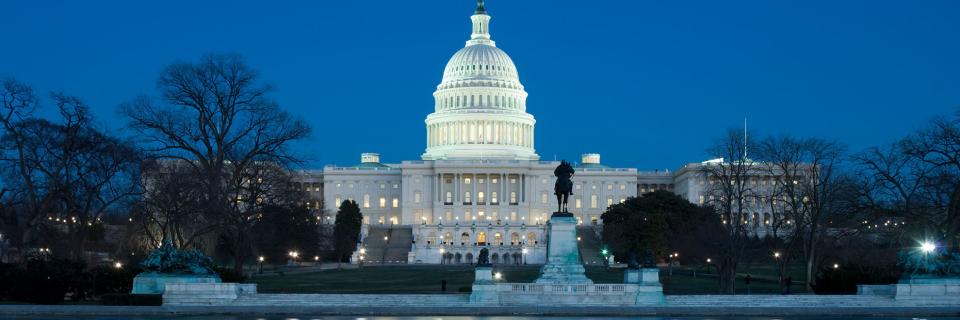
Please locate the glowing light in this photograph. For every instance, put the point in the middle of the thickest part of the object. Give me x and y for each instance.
(118, 265)
(708, 260)
(835, 266)
(928, 247)
(497, 276)
(261, 259)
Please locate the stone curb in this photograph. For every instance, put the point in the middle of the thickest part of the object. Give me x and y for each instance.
(39, 310)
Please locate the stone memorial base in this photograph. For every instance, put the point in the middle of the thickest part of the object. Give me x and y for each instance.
(563, 257)
(155, 283)
(929, 290)
(484, 291)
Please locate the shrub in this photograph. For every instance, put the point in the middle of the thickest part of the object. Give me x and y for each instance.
(107, 279)
(46, 281)
(228, 275)
(845, 280)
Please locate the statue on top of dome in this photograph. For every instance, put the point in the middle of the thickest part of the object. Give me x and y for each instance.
(480, 8)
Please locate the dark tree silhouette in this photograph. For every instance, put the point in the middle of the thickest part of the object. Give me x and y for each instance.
(346, 229)
(215, 116)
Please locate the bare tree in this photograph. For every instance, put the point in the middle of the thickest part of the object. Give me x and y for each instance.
(96, 172)
(171, 206)
(729, 193)
(809, 182)
(25, 199)
(939, 147)
(216, 117)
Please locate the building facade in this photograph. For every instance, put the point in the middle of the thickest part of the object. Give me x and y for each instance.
(480, 183)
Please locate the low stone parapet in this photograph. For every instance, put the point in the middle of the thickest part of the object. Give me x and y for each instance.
(566, 294)
(929, 290)
(193, 294)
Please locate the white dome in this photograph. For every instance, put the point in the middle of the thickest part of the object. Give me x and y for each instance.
(480, 106)
(480, 62)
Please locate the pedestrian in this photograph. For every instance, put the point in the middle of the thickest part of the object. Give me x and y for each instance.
(746, 280)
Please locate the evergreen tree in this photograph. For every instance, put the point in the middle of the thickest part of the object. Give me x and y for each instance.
(346, 230)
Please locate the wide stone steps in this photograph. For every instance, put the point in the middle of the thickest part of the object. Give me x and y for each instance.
(589, 245)
(360, 300)
(394, 250)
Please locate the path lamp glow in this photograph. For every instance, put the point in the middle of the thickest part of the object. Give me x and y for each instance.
(118, 265)
(928, 247)
(294, 255)
(497, 276)
(524, 255)
(672, 257)
(260, 264)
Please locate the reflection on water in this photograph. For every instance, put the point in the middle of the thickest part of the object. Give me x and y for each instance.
(457, 318)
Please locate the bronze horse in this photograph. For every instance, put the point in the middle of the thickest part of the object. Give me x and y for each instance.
(563, 188)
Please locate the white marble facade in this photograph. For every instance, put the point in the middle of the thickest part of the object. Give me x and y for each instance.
(480, 180)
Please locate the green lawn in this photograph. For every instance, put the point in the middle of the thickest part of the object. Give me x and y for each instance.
(427, 279)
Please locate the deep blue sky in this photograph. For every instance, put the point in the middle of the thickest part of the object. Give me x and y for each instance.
(649, 84)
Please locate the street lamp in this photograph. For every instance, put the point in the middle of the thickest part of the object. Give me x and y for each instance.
(260, 264)
(294, 255)
(672, 257)
(118, 265)
(928, 247)
(524, 255)
(497, 276)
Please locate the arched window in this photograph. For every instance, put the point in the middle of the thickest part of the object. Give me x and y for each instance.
(448, 238)
(515, 238)
(432, 238)
(531, 238)
(464, 238)
(482, 238)
(495, 258)
(498, 239)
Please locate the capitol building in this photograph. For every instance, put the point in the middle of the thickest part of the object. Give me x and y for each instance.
(480, 182)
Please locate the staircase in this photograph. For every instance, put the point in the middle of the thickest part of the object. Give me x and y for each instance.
(393, 250)
(589, 245)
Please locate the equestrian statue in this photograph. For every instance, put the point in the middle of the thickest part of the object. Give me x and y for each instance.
(564, 186)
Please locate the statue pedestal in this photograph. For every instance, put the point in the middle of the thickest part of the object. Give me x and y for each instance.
(484, 291)
(154, 283)
(563, 257)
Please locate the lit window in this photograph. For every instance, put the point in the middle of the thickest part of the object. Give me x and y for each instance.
(416, 197)
(396, 185)
(578, 187)
(513, 180)
(366, 201)
(383, 202)
(513, 216)
(480, 196)
(382, 186)
(623, 187)
(466, 180)
(493, 197)
(337, 202)
(609, 201)
(449, 197)
(578, 206)
(701, 199)
(396, 202)
(609, 187)
(543, 197)
(513, 197)
(466, 197)
(593, 201)
(493, 180)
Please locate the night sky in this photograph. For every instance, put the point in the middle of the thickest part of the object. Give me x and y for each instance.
(648, 84)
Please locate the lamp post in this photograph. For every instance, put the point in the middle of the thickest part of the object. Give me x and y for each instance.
(294, 255)
(670, 266)
(524, 251)
(776, 256)
(260, 264)
(363, 252)
(441, 255)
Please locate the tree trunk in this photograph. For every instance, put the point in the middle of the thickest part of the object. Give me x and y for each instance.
(810, 265)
